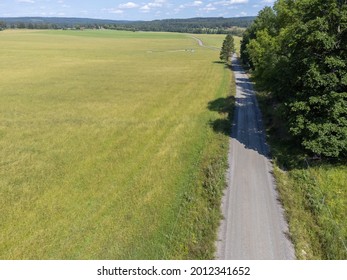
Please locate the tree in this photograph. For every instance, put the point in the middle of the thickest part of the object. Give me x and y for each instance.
(21, 25)
(318, 62)
(297, 52)
(266, 19)
(2, 25)
(228, 48)
(262, 52)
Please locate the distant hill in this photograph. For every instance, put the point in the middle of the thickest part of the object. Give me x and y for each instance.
(196, 25)
(193, 25)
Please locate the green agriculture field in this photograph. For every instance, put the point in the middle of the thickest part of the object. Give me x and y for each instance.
(104, 139)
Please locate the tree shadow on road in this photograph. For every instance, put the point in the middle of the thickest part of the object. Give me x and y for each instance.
(230, 108)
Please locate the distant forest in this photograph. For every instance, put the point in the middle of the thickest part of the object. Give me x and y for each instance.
(218, 25)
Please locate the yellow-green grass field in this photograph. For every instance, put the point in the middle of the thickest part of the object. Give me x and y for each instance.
(105, 139)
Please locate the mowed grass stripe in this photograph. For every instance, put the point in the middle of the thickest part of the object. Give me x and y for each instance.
(99, 139)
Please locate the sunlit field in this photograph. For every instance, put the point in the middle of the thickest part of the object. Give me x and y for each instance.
(214, 40)
(103, 139)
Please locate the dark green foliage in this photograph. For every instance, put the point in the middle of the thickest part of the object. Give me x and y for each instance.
(228, 48)
(266, 20)
(298, 52)
(211, 25)
(2, 25)
(319, 108)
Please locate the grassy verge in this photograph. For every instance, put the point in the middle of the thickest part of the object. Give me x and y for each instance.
(199, 214)
(314, 193)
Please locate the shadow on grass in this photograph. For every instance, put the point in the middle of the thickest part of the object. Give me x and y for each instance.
(218, 62)
(226, 65)
(225, 107)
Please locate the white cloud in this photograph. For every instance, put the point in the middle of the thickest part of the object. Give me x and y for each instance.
(230, 2)
(145, 9)
(26, 1)
(113, 11)
(129, 5)
(242, 14)
(197, 3)
(238, 1)
(208, 8)
(117, 12)
(153, 5)
(212, 6)
(191, 4)
(157, 3)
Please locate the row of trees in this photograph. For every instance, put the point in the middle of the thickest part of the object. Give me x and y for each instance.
(181, 28)
(298, 52)
(45, 25)
(210, 25)
(235, 26)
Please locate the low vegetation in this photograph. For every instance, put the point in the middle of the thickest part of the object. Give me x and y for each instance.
(313, 192)
(109, 147)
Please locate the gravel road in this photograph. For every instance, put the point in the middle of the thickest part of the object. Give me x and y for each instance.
(254, 226)
(201, 44)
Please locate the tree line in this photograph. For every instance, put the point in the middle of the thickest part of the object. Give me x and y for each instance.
(297, 51)
(219, 25)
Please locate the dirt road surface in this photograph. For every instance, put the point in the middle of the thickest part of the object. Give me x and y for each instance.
(254, 226)
(201, 44)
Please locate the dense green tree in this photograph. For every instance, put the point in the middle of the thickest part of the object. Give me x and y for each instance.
(318, 60)
(228, 48)
(262, 52)
(2, 25)
(266, 20)
(298, 53)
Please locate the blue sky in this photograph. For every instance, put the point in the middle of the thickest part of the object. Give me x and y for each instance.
(132, 9)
